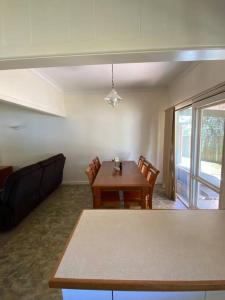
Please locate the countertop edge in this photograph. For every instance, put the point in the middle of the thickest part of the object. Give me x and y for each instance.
(136, 285)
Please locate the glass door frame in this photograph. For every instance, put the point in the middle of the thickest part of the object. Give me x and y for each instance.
(195, 150)
(189, 204)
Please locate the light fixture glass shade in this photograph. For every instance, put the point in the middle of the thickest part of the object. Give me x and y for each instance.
(113, 98)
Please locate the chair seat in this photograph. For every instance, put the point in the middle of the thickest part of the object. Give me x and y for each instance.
(110, 199)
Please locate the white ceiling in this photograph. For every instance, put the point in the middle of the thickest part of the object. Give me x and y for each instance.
(132, 75)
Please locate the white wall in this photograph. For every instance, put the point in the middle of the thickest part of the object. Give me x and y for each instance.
(29, 89)
(91, 128)
(196, 79)
(65, 27)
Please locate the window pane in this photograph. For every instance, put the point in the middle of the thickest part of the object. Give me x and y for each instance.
(183, 152)
(211, 143)
(183, 184)
(206, 197)
(183, 137)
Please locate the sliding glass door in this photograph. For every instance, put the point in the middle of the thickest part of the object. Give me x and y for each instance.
(183, 153)
(209, 154)
(199, 152)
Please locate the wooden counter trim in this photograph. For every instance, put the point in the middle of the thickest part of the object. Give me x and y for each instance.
(136, 285)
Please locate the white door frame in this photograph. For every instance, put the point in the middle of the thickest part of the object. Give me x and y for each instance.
(195, 151)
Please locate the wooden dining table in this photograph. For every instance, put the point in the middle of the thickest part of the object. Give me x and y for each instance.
(128, 179)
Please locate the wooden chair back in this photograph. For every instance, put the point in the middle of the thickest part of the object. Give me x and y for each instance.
(93, 168)
(141, 161)
(145, 168)
(152, 175)
(98, 163)
(151, 178)
(90, 174)
(95, 165)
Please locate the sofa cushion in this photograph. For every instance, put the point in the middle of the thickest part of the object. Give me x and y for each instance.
(52, 174)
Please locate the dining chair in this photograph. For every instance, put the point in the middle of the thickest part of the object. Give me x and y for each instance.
(145, 167)
(151, 178)
(93, 168)
(141, 161)
(98, 163)
(95, 165)
(109, 199)
(90, 174)
(134, 197)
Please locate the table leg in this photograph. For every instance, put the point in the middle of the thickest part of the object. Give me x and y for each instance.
(149, 199)
(96, 197)
(145, 195)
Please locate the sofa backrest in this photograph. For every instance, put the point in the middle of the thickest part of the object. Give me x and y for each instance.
(52, 174)
(22, 190)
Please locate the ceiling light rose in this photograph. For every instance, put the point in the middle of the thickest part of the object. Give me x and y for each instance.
(113, 98)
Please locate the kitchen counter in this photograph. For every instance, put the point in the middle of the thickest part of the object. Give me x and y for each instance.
(145, 250)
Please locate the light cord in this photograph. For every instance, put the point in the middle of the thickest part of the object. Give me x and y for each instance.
(112, 78)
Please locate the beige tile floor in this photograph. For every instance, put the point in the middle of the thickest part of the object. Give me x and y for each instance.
(29, 252)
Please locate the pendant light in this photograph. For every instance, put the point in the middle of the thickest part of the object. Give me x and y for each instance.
(113, 98)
